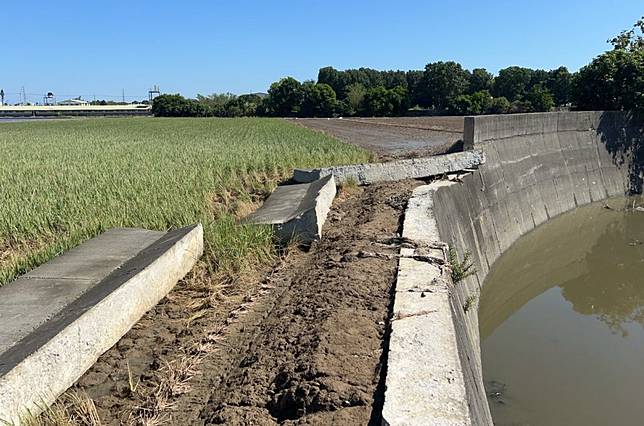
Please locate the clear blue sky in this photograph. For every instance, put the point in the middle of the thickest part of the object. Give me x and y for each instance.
(99, 47)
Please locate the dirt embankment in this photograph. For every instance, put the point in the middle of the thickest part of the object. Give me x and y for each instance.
(394, 138)
(303, 345)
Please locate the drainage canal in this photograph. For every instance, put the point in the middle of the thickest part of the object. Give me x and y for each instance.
(562, 321)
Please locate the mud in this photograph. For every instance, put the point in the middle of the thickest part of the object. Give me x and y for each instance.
(395, 138)
(304, 344)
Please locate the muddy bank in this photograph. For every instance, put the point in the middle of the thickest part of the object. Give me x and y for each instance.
(302, 345)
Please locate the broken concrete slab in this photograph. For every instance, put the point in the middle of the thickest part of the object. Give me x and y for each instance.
(57, 320)
(297, 211)
(395, 170)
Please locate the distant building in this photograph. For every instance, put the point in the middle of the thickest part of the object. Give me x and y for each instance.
(75, 101)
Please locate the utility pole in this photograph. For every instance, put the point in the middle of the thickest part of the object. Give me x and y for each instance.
(123, 93)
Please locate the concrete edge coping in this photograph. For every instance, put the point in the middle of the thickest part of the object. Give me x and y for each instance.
(297, 211)
(412, 168)
(43, 365)
(425, 384)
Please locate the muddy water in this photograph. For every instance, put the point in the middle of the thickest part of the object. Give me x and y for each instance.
(562, 321)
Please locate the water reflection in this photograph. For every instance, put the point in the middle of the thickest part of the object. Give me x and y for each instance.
(612, 285)
(595, 254)
(562, 321)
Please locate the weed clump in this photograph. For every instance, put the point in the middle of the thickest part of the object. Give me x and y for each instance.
(461, 269)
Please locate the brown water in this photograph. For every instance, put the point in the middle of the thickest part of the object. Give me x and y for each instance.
(562, 322)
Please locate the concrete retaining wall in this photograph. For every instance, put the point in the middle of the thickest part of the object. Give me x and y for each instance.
(66, 313)
(537, 166)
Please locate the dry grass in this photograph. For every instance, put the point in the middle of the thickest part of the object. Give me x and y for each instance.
(154, 400)
(73, 408)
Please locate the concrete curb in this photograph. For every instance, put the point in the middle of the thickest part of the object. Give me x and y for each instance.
(395, 170)
(297, 211)
(41, 366)
(425, 384)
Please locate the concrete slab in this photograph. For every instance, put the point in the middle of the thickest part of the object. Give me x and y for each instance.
(57, 320)
(297, 211)
(395, 170)
(425, 384)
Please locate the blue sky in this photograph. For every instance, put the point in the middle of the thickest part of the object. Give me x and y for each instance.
(102, 47)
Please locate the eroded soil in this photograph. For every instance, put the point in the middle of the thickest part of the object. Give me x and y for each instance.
(302, 344)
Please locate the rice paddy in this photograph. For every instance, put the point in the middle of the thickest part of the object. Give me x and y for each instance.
(65, 181)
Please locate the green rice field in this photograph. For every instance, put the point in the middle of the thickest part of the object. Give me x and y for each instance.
(65, 181)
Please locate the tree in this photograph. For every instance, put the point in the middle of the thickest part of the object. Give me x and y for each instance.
(240, 106)
(355, 94)
(284, 98)
(537, 77)
(499, 105)
(319, 100)
(540, 99)
(385, 102)
(334, 78)
(559, 83)
(612, 81)
(414, 79)
(178, 106)
(615, 79)
(630, 40)
(512, 82)
(399, 99)
(480, 79)
(443, 81)
(460, 105)
(474, 104)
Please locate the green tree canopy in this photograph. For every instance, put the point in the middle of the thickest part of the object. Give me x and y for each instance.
(480, 79)
(319, 100)
(284, 98)
(540, 99)
(442, 81)
(512, 82)
(559, 83)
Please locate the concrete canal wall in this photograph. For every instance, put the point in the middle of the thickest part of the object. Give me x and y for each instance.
(537, 167)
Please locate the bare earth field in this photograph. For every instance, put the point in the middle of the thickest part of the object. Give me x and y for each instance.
(391, 138)
(302, 344)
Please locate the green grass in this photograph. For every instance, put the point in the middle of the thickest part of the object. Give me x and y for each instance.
(63, 182)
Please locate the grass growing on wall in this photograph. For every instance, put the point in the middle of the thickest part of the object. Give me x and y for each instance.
(65, 181)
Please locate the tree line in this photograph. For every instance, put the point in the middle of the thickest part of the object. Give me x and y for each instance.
(612, 81)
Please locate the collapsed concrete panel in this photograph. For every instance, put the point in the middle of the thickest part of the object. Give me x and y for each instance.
(297, 211)
(58, 319)
(413, 168)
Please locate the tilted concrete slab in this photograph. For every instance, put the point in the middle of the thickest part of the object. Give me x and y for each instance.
(297, 211)
(58, 319)
(425, 384)
(396, 170)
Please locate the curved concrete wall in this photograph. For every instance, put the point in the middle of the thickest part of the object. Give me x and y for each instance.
(537, 166)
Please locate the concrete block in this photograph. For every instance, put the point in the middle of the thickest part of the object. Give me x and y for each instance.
(395, 170)
(59, 326)
(425, 384)
(297, 211)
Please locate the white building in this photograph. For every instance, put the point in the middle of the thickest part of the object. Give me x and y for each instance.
(76, 101)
